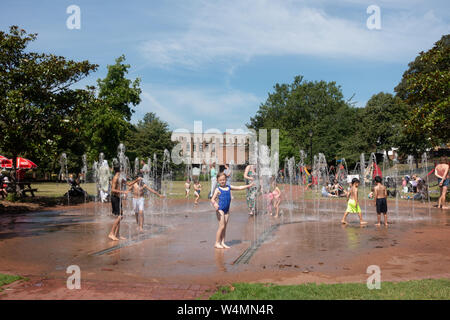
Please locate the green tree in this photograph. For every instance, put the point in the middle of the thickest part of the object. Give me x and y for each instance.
(36, 99)
(380, 123)
(425, 87)
(149, 136)
(103, 128)
(119, 92)
(107, 124)
(302, 106)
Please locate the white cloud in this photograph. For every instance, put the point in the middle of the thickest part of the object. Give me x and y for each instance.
(232, 30)
(180, 106)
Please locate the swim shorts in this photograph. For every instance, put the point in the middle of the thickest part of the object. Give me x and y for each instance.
(446, 182)
(138, 204)
(352, 207)
(116, 205)
(381, 206)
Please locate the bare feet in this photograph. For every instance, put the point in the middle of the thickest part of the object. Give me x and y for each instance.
(141, 229)
(122, 238)
(362, 223)
(378, 224)
(218, 246)
(224, 245)
(112, 237)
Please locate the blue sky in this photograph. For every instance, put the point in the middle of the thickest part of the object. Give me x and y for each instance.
(216, 60)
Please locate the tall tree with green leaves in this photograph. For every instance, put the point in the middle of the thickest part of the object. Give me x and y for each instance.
(103, 128)
(425, 87)
(150, 135)
(107, 124)
(380, 123)
(117, 91)
(301, 106)
(38, 105)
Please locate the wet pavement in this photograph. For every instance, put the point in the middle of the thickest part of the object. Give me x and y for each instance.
(307, 243)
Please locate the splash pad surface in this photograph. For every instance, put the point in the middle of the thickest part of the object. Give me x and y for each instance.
(306, 244)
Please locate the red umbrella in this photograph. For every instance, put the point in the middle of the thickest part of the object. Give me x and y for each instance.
(376, 171)
(5, 162)
(22, 163)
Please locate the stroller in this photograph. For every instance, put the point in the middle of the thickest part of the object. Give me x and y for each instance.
(422, 191)
(390, 182)
(75, 190)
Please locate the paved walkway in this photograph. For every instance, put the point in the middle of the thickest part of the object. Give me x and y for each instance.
(174, 258)
(55, 289)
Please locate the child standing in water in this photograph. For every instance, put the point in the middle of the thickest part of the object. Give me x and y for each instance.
(380, 196)
(223, 194)
(352, 204)
(187, 187)
(137, 186)
(197, 189)
(442, 173)
(116, 203)
(249, 175)
(275, 198)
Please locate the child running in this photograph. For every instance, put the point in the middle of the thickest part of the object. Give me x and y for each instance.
(222, 206)
(380, 196)
(197, 189)
(137, 186)
(187, 187)
(352, 204)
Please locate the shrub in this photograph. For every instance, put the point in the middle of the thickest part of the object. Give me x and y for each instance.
(13, 197)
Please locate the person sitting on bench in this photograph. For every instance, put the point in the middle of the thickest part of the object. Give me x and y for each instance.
(3, 184)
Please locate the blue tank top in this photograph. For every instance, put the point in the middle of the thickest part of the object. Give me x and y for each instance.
(224, 199)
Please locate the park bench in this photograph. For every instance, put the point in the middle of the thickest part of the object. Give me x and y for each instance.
(23, 188)
(31, 190)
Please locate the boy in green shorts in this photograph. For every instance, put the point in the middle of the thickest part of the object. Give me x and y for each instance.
(352, 204)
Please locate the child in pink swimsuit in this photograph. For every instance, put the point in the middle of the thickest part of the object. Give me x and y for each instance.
(274, 198)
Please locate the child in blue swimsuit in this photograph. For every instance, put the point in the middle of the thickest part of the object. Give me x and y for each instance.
(223, 194)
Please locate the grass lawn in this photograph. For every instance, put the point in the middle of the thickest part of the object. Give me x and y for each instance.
(406, 290)
(7, 279)
(53, 189)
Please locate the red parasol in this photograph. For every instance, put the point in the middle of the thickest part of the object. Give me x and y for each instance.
(376, 171)
(22, 163)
